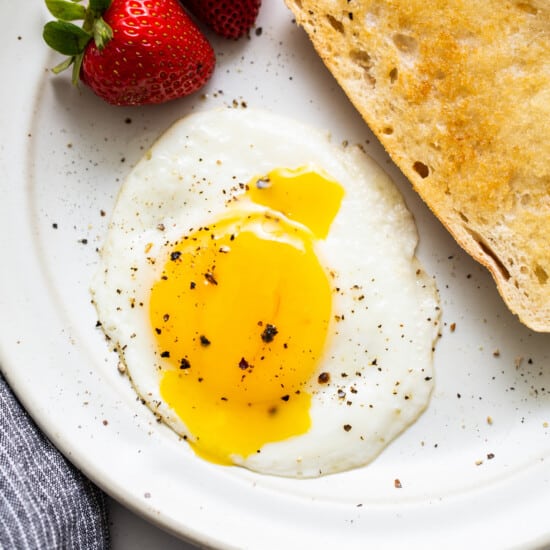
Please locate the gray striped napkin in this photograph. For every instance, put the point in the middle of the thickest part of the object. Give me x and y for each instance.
(44, 501)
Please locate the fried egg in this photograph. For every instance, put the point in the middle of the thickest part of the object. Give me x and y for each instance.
(261, 288)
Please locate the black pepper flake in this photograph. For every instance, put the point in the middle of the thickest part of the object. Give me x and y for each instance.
(490, 456)
(285, 397)
(204, 340)
(347, 427)
(397, 484)
(175, 255)
(158, 330)
(192, 285)
(54, 225)
(185, 364)
(165, 354)
(210, 278)
(243, 364)
(323, 378)
(165, 317)
(269, 333)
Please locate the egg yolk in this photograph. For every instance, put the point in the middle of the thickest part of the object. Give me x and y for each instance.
(241, 314)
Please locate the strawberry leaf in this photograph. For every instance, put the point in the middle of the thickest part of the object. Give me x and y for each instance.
(76, 68)
(63, 65)
(67, 11)
(99, 6)
(102, 33)
(66, 38)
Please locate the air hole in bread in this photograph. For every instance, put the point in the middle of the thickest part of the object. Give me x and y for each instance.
(393, 75)
(363, 60)
(335, 24)
(463, 217)
(525, 199)
(388, 130)
(421, 169)
(490, 253)
(527, 8)
(405, 43)
(541, 274)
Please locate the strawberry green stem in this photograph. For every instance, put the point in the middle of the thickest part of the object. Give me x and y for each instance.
(69, 39)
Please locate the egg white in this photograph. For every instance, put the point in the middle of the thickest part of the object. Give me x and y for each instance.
(385, 309)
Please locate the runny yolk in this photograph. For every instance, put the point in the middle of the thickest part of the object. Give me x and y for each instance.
(240, 315)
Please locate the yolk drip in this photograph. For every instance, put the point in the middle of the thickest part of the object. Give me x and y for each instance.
(301, 195)
(241, 314)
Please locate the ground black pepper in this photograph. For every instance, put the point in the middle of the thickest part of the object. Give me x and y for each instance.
(210, 278)
(323, 378)
(269, 333)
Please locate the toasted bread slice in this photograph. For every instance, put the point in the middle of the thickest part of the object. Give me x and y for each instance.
(458, 92)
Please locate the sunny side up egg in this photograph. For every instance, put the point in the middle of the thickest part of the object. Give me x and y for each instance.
(261, 288)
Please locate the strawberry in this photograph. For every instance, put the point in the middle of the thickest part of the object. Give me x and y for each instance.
(228, 18)
(131, 52)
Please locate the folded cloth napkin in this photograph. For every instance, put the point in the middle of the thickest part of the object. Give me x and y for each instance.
(45, 502)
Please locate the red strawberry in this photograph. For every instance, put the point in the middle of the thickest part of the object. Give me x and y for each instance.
(131, 52)
(228, 18)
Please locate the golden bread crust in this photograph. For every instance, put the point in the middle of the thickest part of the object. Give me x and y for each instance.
(458, 92)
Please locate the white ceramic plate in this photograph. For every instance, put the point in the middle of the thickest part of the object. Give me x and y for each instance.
(474, 470)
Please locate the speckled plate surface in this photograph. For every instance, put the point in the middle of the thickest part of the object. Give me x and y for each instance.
(474, 470)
